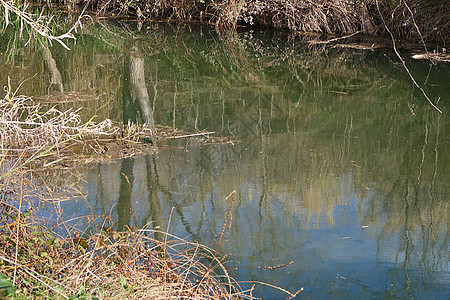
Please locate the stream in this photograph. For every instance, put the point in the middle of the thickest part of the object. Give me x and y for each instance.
(332, 170)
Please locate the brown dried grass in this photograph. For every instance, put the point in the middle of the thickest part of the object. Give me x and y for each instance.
(25, 124)
(415, 19)
(134, 264)
(321, 16)
(35, 132)
(411, 19)
(305, 16)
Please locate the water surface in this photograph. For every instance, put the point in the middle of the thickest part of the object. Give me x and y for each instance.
(331, 168)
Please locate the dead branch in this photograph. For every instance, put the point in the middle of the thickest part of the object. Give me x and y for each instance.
(403, 61)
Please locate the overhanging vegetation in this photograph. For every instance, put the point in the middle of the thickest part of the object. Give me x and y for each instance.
(407, 18)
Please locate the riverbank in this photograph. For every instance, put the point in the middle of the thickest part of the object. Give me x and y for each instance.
(412, 19)
(245, 74)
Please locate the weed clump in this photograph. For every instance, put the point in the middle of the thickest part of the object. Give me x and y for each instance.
(38, 262)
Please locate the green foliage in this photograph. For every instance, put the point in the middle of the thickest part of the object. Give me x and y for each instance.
(7, 288)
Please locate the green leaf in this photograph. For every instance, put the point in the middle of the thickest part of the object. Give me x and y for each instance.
(11, 241)
(6, 287)
(123, 283)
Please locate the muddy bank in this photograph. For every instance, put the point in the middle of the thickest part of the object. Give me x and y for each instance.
(410, 19)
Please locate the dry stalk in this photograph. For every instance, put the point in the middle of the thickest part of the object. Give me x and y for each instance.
(33, 274)
(32, 131)
(403, 61)
(39, 24)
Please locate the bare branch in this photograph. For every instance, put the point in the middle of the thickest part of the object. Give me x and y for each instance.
(404, 63)
(39, 26)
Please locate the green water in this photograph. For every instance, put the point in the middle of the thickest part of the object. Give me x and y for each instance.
(331, 169)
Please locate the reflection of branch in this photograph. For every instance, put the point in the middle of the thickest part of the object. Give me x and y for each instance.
(155, 185)
(403, 62)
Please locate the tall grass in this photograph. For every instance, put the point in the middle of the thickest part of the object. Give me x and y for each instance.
(133, 264)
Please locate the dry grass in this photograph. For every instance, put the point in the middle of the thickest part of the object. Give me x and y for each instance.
(26, 125)
(305, 16)
(36, 132)
(415, 20)
(136, 264)
(407, 18)
(410, 19)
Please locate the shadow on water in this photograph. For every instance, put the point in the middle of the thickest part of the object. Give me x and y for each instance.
(331, 169)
